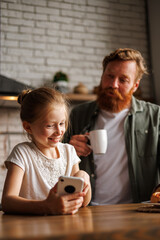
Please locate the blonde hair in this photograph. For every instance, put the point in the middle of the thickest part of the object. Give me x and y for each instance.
(36, 102)
(126, 54)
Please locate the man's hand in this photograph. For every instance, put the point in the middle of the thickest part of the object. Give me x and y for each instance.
(80, 144)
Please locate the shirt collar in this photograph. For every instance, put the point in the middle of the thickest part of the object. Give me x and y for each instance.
(136, 105)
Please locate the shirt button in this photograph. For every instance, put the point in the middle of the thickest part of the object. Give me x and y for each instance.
(146, 131)
(92, 175)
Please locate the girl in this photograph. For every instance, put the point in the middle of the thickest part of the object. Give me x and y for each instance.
(34, 167)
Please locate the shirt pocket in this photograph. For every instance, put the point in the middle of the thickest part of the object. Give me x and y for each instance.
(146, 142)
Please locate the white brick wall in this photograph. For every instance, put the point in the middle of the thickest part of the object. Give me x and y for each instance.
(11, 133)
(41, 37)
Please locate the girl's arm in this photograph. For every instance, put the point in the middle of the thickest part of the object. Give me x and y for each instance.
(87, 186)
(53, 204)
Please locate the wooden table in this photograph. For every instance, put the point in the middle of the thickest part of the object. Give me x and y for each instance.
(112, 222)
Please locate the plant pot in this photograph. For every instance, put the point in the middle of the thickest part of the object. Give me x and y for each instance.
(61, 86)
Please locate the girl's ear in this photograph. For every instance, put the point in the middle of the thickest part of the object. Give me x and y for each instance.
(27, 127)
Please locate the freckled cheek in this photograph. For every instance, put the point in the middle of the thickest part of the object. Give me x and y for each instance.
(62, 131)
(45, 133)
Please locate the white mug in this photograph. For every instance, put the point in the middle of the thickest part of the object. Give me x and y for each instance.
(98, 140)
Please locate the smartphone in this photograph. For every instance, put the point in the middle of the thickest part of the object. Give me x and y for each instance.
(69, 185)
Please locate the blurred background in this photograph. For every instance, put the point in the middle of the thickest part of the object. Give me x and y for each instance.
(42, 37)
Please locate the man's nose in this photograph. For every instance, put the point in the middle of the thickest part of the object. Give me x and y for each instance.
(114, 83)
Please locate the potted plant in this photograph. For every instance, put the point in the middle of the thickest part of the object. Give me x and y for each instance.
(60, 81)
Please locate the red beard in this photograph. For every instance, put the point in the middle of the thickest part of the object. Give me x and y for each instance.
(114, 103)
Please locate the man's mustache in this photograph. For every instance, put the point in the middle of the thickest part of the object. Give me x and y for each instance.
(113, 91)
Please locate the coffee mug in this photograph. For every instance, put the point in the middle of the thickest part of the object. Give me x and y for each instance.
(98, 140)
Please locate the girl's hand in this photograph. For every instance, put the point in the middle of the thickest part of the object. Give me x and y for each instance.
(67, 204)
(87, 186)
(83, 175)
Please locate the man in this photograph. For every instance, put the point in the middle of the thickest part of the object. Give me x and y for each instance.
(129, 170)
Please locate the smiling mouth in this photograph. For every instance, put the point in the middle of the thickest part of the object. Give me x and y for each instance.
(54, 139)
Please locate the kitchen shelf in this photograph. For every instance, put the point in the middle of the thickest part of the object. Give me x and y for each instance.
(81, 97)
(73, 97)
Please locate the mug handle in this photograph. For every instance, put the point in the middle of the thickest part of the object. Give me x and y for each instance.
(89, 145)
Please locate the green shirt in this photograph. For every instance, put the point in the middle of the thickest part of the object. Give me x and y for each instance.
(142, 137)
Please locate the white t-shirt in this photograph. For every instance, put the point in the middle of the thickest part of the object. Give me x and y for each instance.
(41, 173)
(112, 183)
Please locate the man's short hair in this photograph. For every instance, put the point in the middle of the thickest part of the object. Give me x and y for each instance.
(127, 54)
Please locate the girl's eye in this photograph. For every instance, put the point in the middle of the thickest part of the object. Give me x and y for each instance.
(122, 80)
(50, 126)
(62, 123)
